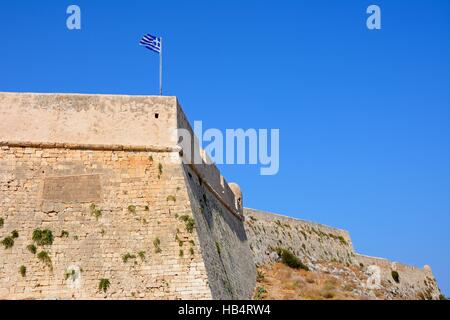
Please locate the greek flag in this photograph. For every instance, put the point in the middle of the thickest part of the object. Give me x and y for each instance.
(151, 43)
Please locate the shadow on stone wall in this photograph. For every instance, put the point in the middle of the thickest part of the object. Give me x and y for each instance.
(223, 240)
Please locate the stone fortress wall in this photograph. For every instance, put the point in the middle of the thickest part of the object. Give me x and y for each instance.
(313, 242)
(309, 241)
(104, 175)
(414, 283)
(129, 217)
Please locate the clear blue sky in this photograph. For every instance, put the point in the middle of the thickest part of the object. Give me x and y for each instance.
(364, 115)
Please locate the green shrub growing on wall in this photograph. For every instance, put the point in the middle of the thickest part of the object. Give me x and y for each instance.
(2, 222)
(189, 221)
(289, 259)
(141, 255)
(171, 198)
(342, 240)
(104, 285)
(32, 248)
(43, 237)
(127, 257)
(23, 271)
(218, 248)
(44, 257)
(96, 212)
(8, 242)
(177, 239)
(70, 274)
(132, 209)
(395, 276)
(156, 244)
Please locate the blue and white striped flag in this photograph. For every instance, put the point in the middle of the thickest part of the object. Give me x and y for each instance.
(151, 43)
(155, 44)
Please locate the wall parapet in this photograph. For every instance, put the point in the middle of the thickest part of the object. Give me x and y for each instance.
(88, 119)
(387, 263)
(206, 170)
(223, 201)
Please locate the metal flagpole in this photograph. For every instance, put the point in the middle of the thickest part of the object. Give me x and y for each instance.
(160, 66)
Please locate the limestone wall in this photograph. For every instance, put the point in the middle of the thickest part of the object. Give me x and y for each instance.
(88, 119)
(311, 242)
(219, 222)
(226, 252)
(105, 176)
(413, 283)
(100, 206)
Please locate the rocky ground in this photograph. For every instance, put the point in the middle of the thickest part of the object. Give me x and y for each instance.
(324, 281)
